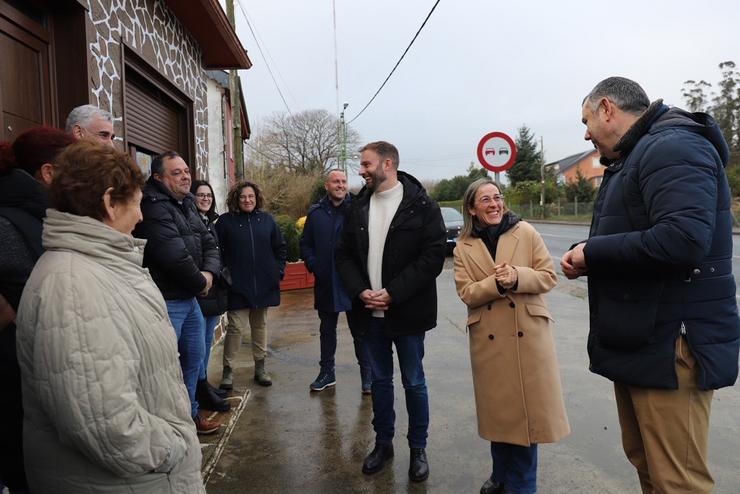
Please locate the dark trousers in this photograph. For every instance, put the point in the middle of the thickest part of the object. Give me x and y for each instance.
(12, 473)
(410, 350)
(515, 467)
(328, 342)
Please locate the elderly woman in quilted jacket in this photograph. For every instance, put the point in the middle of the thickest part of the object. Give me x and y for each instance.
(106, 409)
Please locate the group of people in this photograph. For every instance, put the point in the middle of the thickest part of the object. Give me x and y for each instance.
(114, 291)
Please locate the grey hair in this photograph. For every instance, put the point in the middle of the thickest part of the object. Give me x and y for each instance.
(468, 202)
(83, 115)
(626, 94)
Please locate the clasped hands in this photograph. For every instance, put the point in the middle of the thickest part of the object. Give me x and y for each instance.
(376, 299)
(506, 275)
(573, 262)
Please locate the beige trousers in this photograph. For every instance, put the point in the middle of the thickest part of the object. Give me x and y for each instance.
(665, 432)
(236, 324)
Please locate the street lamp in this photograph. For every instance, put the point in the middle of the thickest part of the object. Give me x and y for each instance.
(343, 137)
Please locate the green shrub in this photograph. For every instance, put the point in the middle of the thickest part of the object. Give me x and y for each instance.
(291, 235)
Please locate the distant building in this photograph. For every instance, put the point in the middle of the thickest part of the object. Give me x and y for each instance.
(587, 162)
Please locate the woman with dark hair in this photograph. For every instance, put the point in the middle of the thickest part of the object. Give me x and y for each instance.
(502, 270)
(212, 305)
(254, 251)
(26, 170)
(105, 407)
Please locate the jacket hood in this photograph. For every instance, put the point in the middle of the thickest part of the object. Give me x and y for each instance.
(20, 190)
(412, 189)
(659, 117)
(93, 238)
(157, 190)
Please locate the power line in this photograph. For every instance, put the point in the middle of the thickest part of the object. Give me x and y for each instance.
(397, 63)
(249, 24)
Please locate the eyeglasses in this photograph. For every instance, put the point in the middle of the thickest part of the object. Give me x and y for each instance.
(486, 200)
(201, 195)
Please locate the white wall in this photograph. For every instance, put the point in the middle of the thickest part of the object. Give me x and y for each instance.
(217, 166)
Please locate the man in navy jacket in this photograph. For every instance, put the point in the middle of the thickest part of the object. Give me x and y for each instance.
(664, 321)
(318, 241)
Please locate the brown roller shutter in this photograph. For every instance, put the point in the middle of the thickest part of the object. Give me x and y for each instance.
(153, 120)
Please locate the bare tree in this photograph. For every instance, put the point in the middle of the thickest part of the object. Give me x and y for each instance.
(308, 142)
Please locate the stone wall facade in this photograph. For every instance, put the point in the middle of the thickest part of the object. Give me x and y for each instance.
(150, 29)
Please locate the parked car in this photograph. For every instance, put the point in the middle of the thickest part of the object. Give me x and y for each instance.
(453, 223)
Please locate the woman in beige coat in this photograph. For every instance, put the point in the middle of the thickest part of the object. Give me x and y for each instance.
(502, 268)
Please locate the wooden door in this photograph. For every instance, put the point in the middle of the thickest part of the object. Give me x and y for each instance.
(25, 76)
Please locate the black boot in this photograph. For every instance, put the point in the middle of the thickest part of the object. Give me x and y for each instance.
(418, 467)
(221, 393)
(208, 400)
(491, 486)
(375, 461)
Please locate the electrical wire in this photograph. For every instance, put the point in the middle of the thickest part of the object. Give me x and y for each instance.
(259, 47)
(397, 63)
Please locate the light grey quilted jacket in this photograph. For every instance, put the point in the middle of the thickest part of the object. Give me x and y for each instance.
(106, 410)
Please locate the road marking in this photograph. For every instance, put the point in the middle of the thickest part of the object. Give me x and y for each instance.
(557, 236)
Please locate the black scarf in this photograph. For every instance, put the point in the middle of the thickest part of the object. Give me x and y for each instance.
(491, 233)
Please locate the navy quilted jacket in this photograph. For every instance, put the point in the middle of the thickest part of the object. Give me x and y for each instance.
(659, 255)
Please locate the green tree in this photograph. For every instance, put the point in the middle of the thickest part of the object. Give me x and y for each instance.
(580, 189)
(528, 158)
(453, 188)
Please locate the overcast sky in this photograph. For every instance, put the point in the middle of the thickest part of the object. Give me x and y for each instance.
(478, 66)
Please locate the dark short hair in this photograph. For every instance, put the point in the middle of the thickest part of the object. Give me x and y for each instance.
(194, 189)
(232, 201)
(625, 93)
(385, 150)
(37, 146)
(157, 165)
(85, 170)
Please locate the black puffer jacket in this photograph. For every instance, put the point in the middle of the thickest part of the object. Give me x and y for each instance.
(178, 244)
(413, 257)
(659, 255)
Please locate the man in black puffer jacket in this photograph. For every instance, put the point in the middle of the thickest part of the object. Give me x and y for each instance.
(664, 320)
(183, 259)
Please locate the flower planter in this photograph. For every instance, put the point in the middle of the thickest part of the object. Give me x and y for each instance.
(296, 277)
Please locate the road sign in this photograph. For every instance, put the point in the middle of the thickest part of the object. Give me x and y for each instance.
(497, 151)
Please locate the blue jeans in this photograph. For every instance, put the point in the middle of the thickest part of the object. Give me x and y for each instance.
(515, 467)
(328, 342)
(189, 325)
(410, 350)
(211, 322)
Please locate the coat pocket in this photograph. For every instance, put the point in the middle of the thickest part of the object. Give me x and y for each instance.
(626, 313)
(539, 311)
(473, 317)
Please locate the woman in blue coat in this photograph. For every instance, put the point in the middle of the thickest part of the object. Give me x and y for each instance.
(254, 251)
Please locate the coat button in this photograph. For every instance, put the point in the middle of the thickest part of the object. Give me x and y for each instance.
(512, 304)
(520, 334)
(696, 271)
(489, 306)
(490, 336)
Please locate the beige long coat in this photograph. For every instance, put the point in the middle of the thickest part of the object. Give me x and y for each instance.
(518, 395)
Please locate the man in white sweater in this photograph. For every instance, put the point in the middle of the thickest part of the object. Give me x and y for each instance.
(391, 251)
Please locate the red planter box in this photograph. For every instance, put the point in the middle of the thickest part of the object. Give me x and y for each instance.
(296, 277)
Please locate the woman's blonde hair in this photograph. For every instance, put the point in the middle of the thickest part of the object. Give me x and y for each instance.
(470, 221)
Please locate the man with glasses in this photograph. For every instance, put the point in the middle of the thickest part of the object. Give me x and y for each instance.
(182, 258)
(391, 251)
(90, 122)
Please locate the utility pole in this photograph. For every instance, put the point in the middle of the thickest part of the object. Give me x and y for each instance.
(542, 176)
(236, 118)
(343, 137)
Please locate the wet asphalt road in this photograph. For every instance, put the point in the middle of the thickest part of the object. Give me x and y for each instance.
(290, 440)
